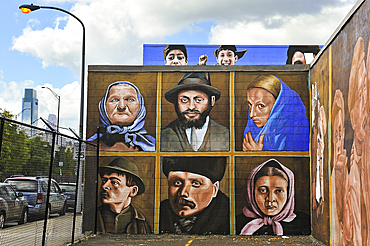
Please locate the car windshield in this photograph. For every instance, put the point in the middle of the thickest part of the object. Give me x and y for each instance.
(24, 185)
(68, 188)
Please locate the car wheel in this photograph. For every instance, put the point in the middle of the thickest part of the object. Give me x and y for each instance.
(2, 220)
(24, 218)
(64, 209)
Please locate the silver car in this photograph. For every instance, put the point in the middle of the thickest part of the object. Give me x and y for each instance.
(13, 207)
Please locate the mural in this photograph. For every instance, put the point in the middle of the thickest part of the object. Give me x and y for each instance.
(195, 203)
(193, 130)
(146, 186)
(277, 117)
(270, 206)
(319, 148)
(180, 54)
(122, 118)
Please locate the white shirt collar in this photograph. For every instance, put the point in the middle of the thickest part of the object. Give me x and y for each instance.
(199, 132)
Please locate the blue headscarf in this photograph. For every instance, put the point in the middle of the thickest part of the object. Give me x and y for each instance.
(134, 134)
(287, 128)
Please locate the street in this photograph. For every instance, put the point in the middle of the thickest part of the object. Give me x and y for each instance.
(58, 232)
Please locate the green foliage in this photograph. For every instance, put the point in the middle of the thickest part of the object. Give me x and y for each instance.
(24, 155)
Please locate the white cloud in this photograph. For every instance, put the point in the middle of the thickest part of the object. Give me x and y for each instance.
(1, 74)
(12, 93)
(117, 29)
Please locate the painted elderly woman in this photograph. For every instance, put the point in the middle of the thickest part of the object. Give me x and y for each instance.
(277, 118)
(270, 198)
(122, 118)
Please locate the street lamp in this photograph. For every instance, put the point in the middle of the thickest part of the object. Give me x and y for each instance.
(26, 8)
(57, 97)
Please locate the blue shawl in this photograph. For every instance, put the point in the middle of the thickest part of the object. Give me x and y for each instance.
(287, 128)
(134, 135)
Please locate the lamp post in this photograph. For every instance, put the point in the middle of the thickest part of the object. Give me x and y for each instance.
(26, 8)
(57, 97)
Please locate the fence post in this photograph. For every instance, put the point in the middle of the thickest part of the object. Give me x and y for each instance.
(76, 192)
(48, 194)
(1, 131)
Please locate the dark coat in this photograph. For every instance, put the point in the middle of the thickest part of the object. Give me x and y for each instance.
(214, 219)
(173, 138)
(299, 226)
(110, 222)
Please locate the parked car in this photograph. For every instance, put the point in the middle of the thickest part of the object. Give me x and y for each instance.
(34, 189)
(13, 206)
(69, 190)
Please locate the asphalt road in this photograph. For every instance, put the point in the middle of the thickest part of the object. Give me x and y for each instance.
(186, 240)
(58, 232)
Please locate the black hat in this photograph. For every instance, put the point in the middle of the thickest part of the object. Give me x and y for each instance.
(210, 167)
(170, 47)
(240, 53)
(123, 165)
(301, 48)
(193, 81)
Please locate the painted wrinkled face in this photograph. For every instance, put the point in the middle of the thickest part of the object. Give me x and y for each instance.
(190, 193)
(192, 103)
(260, 103)
(114, 189)
(122, 104)
(298, 58)
(226, 57)
(338, 134)
(176, 58)
(271, 194)
(359, 110)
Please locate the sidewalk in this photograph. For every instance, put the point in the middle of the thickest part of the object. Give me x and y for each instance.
(192, 240)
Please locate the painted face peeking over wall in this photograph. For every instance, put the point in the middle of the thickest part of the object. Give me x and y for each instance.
(176, 58)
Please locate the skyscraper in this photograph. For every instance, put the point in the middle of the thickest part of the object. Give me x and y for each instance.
(30, 107)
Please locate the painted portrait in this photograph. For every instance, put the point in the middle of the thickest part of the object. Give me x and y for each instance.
(270, 207)
(195, 203)
(193, 99)
(122, 116)
(277, 118)
(121, 183)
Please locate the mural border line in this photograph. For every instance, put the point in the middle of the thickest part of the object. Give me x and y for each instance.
(231, 157)
(157, 159)
(329, 142)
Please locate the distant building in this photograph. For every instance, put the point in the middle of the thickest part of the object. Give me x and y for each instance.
(52, 119)
(30, 107)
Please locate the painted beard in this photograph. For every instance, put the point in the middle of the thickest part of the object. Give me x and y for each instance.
(197, 123)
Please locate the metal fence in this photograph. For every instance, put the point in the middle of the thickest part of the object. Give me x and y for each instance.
(34, 211)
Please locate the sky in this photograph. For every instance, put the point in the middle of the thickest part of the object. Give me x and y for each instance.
(43, 48)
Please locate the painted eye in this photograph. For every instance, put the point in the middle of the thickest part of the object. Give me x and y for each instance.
(262, 190)
(115, 100)
(103, 181)
(177, 183)
(261, 106)
(196, 184)
(130, 99)
(199, 100)
(279, 191)
(184, 100)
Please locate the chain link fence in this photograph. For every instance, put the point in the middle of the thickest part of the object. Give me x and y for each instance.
(42, 180)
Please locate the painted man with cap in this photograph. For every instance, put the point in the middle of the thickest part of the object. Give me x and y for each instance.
(175, 55)
(225, 55)
(194, 130)
(120, 182)
(195, 205)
